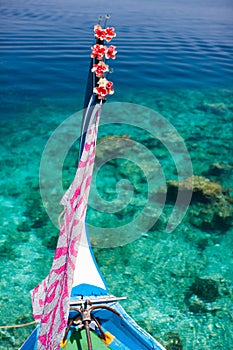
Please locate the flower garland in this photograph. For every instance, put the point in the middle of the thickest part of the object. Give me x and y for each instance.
(104, 34)
(100, 53)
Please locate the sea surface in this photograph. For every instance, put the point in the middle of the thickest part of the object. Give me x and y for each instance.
(169, 119)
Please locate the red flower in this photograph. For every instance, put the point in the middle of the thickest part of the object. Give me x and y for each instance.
(109, 85)
(104, 88)
(104, 34)
(101, 91)
(99, 32)
(99, 69)
(98, 51)
(111, 52)
(109, 33)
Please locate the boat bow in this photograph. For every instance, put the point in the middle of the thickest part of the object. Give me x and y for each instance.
(74, 271)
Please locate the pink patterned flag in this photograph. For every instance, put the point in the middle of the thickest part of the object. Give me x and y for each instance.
(51, 298)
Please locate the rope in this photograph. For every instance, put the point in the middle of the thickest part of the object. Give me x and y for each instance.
(59, 217)
(18, 325)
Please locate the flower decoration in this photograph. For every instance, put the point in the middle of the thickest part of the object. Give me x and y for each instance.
(100, 68)
(111, 52)
(104, 88)
(101, 92)
(104, 34)
(99, 32)
(101, 52)
(110, 33)
(98, 51)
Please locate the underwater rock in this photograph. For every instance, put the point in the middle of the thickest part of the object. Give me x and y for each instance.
(196, 305)
(111, 144)
(215, 108)
(173, 341)
(204, 190)
(205, 288)
(219, 168)
(202, 296)
(217, 214)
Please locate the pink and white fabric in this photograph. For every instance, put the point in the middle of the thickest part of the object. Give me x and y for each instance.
(51, 298)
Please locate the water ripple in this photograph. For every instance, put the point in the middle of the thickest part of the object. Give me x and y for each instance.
(177, 50)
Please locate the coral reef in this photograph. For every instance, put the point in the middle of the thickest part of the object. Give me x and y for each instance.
(219, 168)
(212, 204)
(111, 143)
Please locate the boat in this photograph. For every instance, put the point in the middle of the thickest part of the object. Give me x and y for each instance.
(72, 305)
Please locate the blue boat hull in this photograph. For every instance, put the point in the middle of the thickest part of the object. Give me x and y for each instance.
(123, 333)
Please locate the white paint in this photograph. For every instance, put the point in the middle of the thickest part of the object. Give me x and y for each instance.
(85, 268)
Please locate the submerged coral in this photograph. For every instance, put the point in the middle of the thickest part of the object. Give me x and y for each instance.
(204, 190)
(219, 168)
(212, 204)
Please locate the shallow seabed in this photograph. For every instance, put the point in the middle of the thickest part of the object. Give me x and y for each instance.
(158, 271)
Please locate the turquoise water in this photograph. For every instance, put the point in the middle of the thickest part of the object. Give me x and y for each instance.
(174, 58)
